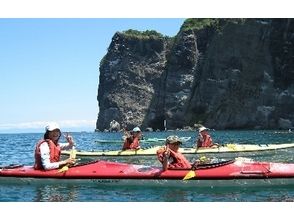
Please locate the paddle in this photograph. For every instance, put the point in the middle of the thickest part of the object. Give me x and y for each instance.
(192, 172)
(231, 146)
(63, 169)
(72, 155)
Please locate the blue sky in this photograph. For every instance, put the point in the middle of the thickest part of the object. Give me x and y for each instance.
(49, 68)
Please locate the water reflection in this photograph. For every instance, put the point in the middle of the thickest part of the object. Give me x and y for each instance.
(56, 193)
(175, 195)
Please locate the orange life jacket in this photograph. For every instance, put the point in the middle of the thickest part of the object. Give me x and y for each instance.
(135, 144)
(178, 159)
(131, 143)
(206, 142)
(54, 153)
(127, 143)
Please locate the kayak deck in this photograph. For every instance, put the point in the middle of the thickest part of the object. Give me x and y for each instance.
(228, 148)
(146, 140)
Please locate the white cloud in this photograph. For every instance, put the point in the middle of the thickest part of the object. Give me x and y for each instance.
(42, 124)
(77, 123)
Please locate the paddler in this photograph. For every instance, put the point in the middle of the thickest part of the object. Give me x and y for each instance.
(204, 139)
(132, 141)
(47, 151)
(169, 155)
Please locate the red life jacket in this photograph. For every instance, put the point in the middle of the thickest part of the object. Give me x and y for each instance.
(178, 159)
(54, 153)
(132, 143)
(135, 144)
(127, 143)
(206, 142)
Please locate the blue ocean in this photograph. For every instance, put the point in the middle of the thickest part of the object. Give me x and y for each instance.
(19, 149)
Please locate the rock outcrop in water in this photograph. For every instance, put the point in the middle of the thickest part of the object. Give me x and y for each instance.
(224, 73)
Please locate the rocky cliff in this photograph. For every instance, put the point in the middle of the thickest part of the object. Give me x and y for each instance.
(223, 73)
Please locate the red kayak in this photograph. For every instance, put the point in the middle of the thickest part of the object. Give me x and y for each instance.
(226, 173)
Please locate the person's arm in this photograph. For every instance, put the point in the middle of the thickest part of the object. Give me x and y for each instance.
(199, 142)
(45, 158)
(127, 134)
(200, 137)
(70, 143)
(162, 156)
(165, 160)
(65, 146)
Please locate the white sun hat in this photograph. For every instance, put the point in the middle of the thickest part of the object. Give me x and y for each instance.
(136, 129)
(52, 126)
(202, 129)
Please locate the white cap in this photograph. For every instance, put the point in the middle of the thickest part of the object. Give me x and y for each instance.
(136, 129)
(52, 126)
(173, 139)
(202, 129)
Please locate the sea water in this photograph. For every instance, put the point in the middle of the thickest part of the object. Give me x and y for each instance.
(19, 149)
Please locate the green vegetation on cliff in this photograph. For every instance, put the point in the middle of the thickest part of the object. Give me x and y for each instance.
(201, 23)
(198, 23)
(143, 34)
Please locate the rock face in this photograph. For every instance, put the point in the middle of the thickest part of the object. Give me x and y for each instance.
(223, 73)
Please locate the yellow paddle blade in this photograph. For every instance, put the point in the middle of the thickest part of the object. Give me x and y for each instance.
(203, 159)
(73, 154)
(232, 146)
(190, 175)
(63, 169)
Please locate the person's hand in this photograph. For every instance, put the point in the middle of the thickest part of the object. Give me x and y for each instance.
(195, 164)
(70, 161)
(166, 154)
(67, 162)
(69, 139)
